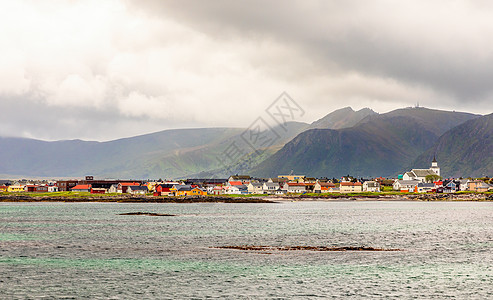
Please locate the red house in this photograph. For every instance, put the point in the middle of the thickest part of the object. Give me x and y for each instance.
(163, 189)
(81, 188)
(34, 188)
(98, 191)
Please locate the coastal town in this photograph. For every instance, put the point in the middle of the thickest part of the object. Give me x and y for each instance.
(413, 181)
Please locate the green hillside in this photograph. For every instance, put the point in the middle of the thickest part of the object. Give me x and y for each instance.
(167, 154)
(378, 145)
(123, 158)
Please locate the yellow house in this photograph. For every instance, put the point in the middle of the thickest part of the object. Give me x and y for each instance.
(174, 191)
(298, 178)
(151, 186)
(198, 192)
(15, 188)
(477, 186)
(186, 190)
(351, 187)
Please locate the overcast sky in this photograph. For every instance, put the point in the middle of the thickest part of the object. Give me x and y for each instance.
(101, 70)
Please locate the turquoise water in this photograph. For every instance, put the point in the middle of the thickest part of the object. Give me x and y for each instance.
(87, 250)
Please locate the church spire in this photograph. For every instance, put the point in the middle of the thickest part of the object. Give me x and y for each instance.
(434, 166)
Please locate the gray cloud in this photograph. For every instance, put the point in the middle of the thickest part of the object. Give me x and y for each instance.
(27, 118)
(439, 44)
(103, 71)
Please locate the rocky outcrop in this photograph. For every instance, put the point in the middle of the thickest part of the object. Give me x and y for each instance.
(146, 214)
(452, 197)
(302, 248)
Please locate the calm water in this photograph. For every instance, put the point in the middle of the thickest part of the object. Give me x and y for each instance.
(87, 250)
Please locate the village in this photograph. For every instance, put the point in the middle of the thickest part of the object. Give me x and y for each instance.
(413, 181)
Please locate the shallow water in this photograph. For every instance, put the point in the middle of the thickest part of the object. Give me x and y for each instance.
(87, 250)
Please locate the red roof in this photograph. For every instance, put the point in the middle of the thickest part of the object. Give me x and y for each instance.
(82, 187)
(235, 183)
(129, 183)
(351, 183)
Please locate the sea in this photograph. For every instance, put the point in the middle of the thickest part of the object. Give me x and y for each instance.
(89, 251)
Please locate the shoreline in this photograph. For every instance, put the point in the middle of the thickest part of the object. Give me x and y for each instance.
(476, 197)
(132, 199)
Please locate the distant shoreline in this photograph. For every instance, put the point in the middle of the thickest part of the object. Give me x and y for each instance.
(125, 198)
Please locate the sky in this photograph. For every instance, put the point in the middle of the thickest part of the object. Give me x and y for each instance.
(101, 70)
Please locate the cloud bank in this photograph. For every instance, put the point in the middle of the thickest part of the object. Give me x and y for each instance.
(102, 70)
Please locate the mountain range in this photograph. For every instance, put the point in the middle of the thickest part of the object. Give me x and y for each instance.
(359, 143)
(464, 150)
(379, 145)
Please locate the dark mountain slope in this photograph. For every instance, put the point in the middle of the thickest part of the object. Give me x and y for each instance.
(380, 145)
(377, 148)
(466, 150)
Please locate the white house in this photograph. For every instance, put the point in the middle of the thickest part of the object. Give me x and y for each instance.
(113, 188)
(424, 187)
(142, 190)
(294, 187)
(254, 188)
(52, 188)
(279, 191)
(270, 187)
(464, 184)
(236, 190)
(420, 174)
(405, 185)
(371, 186)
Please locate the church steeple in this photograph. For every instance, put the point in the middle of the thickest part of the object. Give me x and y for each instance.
(434, 166)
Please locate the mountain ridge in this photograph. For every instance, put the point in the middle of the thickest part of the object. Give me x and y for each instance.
(379, 145)
(345, 117)
(178, 153)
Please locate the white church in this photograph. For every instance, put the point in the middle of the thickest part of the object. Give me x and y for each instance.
(420, 174)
